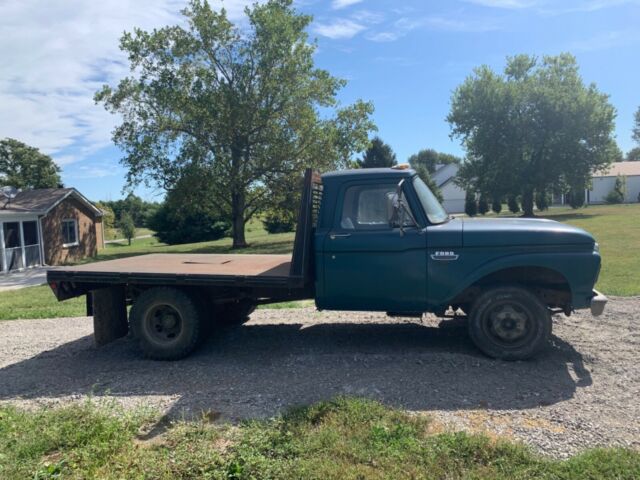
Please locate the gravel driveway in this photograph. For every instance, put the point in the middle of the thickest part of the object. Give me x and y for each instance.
(581, 392)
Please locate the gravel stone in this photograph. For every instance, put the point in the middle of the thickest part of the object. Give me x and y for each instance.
(582, 391)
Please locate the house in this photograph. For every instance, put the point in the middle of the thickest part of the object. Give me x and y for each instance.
(453, 195)
(603, 182)
(50, 226)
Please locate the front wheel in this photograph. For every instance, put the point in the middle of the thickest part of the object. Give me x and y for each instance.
(166, 322)
(509, 323)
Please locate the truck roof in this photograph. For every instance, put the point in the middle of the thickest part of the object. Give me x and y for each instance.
(370, 172)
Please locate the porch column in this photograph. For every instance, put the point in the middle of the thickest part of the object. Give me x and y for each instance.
(4, 257)
(24, 255)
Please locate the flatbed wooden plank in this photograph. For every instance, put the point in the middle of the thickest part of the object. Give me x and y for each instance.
(192, 264)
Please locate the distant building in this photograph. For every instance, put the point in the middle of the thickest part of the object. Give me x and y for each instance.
(50, 226)
(604, 181)
(453, 195)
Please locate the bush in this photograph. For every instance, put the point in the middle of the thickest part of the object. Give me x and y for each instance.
(542, 201)
(173, 225)
(619, 191)
(127, 227)
(512, 201)
(470, 204)
(276, 221)
(575, 197)
(483, 205)
(496, 205)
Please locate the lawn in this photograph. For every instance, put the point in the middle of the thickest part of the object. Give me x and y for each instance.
(341, 439)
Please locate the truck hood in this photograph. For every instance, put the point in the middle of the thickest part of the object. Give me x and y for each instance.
(521, 231)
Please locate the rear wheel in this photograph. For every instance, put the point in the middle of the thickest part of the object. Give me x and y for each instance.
(166, 322)
(509, 323)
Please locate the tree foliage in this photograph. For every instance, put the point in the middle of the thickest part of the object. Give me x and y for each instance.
(244, 103)
(127, 227)
(470, 204)
(190, 213)
(636, 126)
(496, 205)
(378, 155)
(536, 127)
(139, 209)
(23, 166)
(619, 192)
(633, 155)
(108, 217)
(483, 205)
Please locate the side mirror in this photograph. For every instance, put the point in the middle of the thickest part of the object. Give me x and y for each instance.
(401, 215)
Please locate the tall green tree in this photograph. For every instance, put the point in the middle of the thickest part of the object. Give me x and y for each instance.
(536, 127)
(247, 104)
(378, 155)
(636, 126)
(23, 166)
(127, 227)
(633, 155)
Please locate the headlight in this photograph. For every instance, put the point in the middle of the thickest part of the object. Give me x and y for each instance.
(596, 247)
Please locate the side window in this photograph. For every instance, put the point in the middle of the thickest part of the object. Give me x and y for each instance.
(69, 232)
(368, 207)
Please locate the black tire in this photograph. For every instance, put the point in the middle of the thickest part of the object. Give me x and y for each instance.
(234, 313)
(509, 323)
(166, 322)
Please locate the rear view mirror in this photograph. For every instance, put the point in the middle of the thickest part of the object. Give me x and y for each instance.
(400, 213)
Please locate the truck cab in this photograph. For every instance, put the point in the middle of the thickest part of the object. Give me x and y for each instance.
(384, 243)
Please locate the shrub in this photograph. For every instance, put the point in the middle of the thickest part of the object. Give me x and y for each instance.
(512, 201)
(575, 197)
(496, 205)
(470, 205)
(127, 227)
(483, 205)
(174, 225)
(542, 201)
(279, 221)
(619, 191)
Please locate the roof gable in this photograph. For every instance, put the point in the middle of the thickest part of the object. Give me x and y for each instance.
(42, 200)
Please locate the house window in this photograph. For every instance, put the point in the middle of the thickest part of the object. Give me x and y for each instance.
(69, 233)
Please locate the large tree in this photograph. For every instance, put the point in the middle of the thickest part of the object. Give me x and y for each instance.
(23, 166)
(535, 128)
(633, 155)
(377, 155)
(636, 126)
(245, 103)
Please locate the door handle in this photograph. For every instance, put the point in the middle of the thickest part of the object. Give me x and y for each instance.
(333, 236)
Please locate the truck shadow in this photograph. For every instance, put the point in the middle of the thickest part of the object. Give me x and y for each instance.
(260, 370)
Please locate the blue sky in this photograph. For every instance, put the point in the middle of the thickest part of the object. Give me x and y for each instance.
(407, 57)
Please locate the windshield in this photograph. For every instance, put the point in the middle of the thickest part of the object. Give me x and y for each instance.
(430, 204)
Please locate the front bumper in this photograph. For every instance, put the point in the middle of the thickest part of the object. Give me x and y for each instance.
(598, 301)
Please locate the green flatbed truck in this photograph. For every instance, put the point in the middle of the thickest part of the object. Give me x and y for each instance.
(366, 240)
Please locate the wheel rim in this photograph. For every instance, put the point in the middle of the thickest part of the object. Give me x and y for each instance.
(163, 324)
(508, 324)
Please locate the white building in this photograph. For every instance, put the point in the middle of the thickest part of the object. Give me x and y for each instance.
(603, 182)
(452, 194)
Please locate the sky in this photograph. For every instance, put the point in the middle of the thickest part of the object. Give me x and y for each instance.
(406, 57)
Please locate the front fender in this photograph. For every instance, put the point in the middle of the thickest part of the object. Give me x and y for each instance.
(449, 279)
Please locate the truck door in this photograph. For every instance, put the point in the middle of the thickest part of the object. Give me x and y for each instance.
(368, 264)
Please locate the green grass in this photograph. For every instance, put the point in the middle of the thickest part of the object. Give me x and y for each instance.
(617, 230)
(38, 302)
(115, 234)
(341, 439)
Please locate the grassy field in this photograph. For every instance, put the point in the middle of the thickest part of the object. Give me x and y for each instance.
(343, 439)
(115, 234)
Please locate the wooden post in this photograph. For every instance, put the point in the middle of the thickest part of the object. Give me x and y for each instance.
(109, 314)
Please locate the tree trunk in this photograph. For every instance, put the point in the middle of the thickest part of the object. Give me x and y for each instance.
(237, 218)
(527, 203)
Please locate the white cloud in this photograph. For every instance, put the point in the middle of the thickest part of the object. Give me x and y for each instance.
(56, 54)
(339, 28)
(404, 25)
(338, 4)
